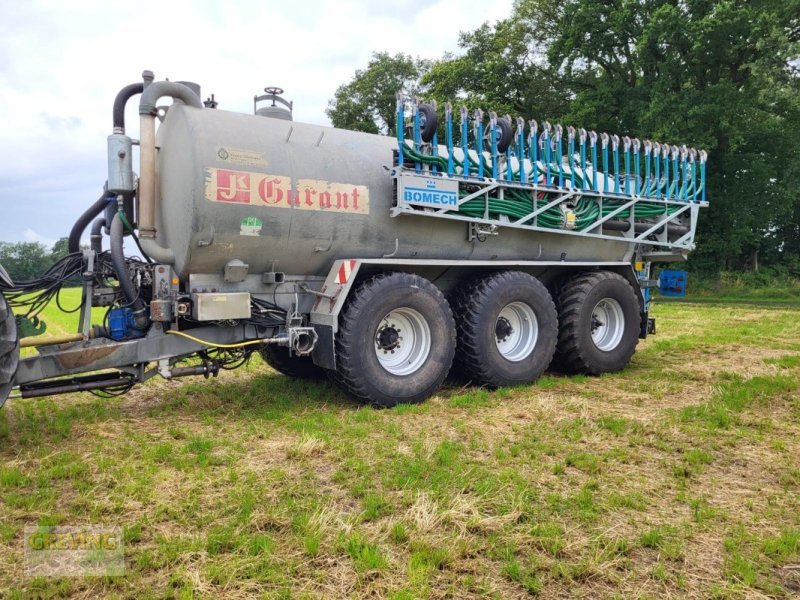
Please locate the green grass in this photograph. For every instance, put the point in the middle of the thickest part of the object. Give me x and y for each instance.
(679, 476)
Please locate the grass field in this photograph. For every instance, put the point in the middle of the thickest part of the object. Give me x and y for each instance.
(679, 477)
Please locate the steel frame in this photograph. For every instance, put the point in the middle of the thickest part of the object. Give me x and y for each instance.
(595, 231)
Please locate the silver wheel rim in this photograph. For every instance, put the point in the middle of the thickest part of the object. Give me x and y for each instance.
(402, 341)
(516, 331)
(608, 324)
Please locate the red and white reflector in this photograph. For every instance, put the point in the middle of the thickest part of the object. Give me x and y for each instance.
(344, 271)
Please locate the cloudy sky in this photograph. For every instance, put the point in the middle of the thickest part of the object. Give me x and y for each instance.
(61, 64)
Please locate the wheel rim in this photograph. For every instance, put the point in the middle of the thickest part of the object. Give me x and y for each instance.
(608, 324)
(516, 331)
(402, 341)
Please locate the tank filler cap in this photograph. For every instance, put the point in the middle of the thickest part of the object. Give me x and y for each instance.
(274, 105)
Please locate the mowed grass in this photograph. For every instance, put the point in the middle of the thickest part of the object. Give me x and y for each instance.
(678, 477)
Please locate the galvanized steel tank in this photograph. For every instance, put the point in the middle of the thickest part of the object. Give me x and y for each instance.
(264, 190)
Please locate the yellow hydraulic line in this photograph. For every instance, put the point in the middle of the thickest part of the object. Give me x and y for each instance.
(213, 344)
(30, 342)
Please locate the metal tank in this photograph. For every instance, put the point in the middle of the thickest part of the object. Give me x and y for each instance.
(237, 186)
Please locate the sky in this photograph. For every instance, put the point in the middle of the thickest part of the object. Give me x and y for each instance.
(62, 63)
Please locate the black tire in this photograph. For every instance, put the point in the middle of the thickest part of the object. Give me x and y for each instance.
(300, 367)
(504, 135)
(9, 349)
(364, 331)
(428, 121)
(479, 309)
(578, 302)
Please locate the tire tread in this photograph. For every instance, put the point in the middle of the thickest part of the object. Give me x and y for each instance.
(570, 355)
(466, 303)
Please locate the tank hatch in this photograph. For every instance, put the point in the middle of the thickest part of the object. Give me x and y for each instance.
(273, 105)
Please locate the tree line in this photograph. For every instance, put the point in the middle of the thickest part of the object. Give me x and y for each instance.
(28, 260)
(722, 75)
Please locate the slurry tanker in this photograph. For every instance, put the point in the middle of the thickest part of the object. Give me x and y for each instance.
(469, 241)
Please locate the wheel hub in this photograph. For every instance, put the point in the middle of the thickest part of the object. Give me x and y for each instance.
(403, 341)
(503, 329)
(388, 338)
(607, 324)
(516, 331)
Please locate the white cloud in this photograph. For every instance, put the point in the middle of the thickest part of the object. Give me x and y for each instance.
(29, 235)
(61, 64)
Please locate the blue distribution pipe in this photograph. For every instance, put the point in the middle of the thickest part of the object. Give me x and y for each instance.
(583, 158)
(593, 138)
(448, 111)
(508, 152)
(435, 146)
(648, 149)
(417, 142)
(560, 140)
(615, 147)
(546, 148)
(604, 139)
(479, 140)
(703, 157)
(493, 123)
(400, 134)
(465, 140)
(694, 175)
(571, 148)
(675, 172)
(685, 188)
(627, 147)
(666, 151)
(657, 164)
(636, 147)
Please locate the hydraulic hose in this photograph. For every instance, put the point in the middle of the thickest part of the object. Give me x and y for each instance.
(120, 101)
(83, 222)
(121, 268)
(97, 234)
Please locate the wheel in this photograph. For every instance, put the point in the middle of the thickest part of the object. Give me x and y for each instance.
(599, 323)
(301, 367)
(504, 135)
(507, 329)
(396, 340)
(428, 121)
(9, 349)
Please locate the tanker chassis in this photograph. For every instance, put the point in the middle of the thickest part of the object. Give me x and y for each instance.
(381, 262)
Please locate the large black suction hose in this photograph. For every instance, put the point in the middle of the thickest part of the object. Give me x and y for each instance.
(121, 268)
(120, 101)
(83, 222)
(94, 210)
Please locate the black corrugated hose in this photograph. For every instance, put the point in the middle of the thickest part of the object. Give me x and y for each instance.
(121, 268)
